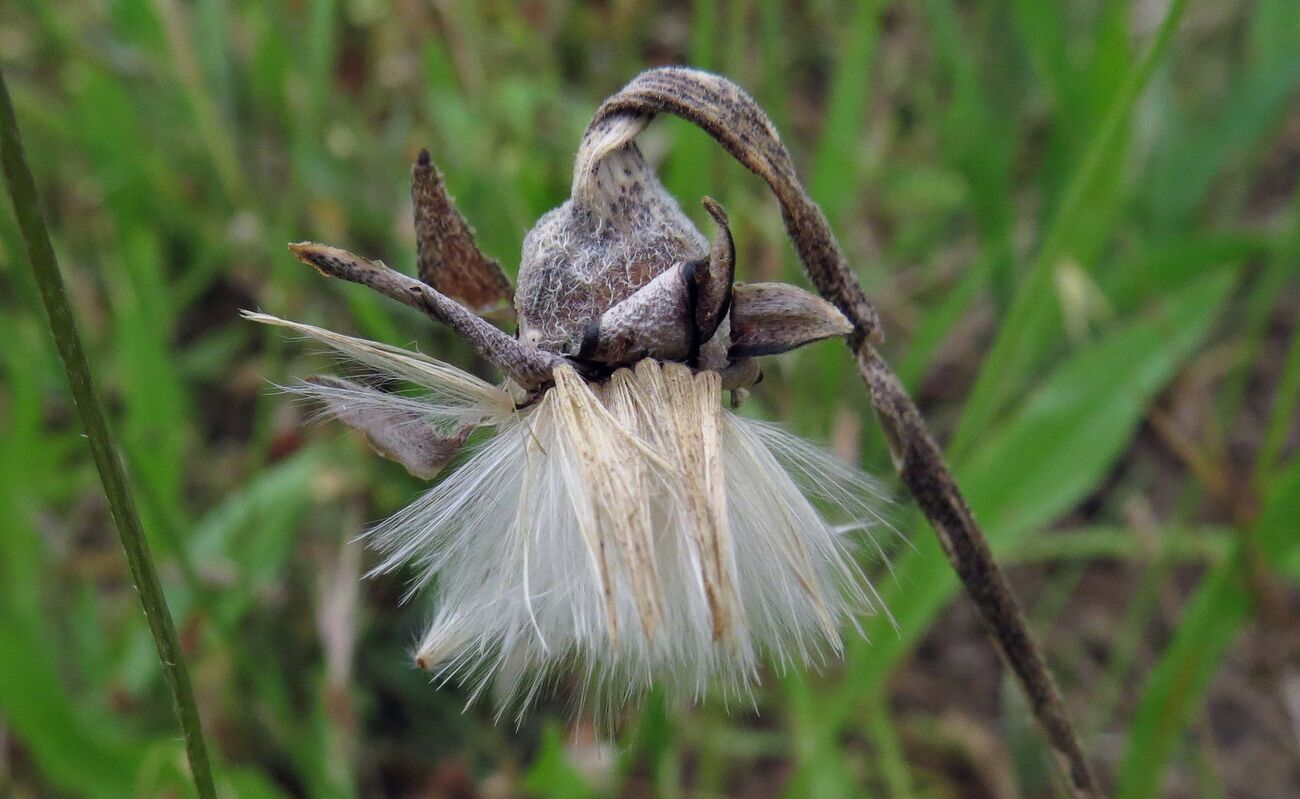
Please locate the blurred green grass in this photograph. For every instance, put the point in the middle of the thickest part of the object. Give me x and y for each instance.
(1078, 221)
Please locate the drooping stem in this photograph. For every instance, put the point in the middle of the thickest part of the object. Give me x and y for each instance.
(732, 117)
(922, 468)
(40, 253)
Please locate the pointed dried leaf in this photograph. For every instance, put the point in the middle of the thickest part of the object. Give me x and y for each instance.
(449, 259)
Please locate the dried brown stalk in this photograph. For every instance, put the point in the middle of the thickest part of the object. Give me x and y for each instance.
(731, 116)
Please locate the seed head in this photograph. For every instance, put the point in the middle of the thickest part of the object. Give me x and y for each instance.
(619, 524)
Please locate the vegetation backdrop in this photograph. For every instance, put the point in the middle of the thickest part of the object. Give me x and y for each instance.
(1079, 223)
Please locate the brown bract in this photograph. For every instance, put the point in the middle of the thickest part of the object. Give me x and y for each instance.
(399, 434)
(449, 259)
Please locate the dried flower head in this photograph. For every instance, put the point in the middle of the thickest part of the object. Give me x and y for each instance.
(620, 521)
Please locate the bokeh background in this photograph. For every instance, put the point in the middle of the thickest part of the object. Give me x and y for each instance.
(1078, 221)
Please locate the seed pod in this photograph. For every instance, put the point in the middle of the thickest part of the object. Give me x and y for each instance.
(619, 520)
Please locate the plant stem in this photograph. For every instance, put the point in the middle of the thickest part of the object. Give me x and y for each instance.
(736, 122)
(40, 253)
(922, 468)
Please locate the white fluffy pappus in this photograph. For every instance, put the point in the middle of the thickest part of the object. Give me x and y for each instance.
(627, 534)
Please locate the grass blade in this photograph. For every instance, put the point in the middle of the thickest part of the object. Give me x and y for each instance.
(40, 253)
(979, 141)
(1205, 632)
(1006, 363)
(1283, 415)
(835, 174)
(1252, 108)
(86, 758)
(1098, 397)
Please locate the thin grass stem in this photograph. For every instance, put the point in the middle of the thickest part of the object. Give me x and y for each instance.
(45, 268)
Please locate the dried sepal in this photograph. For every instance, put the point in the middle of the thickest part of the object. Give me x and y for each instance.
(767, 318)
(712, 283)
(712, 353)
(398, 431)
(449, 259)
(528, 366)
(740, 373)
(655, 322)
(670, 317)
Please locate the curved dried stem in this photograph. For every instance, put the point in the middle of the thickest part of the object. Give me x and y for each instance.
(729, 115)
